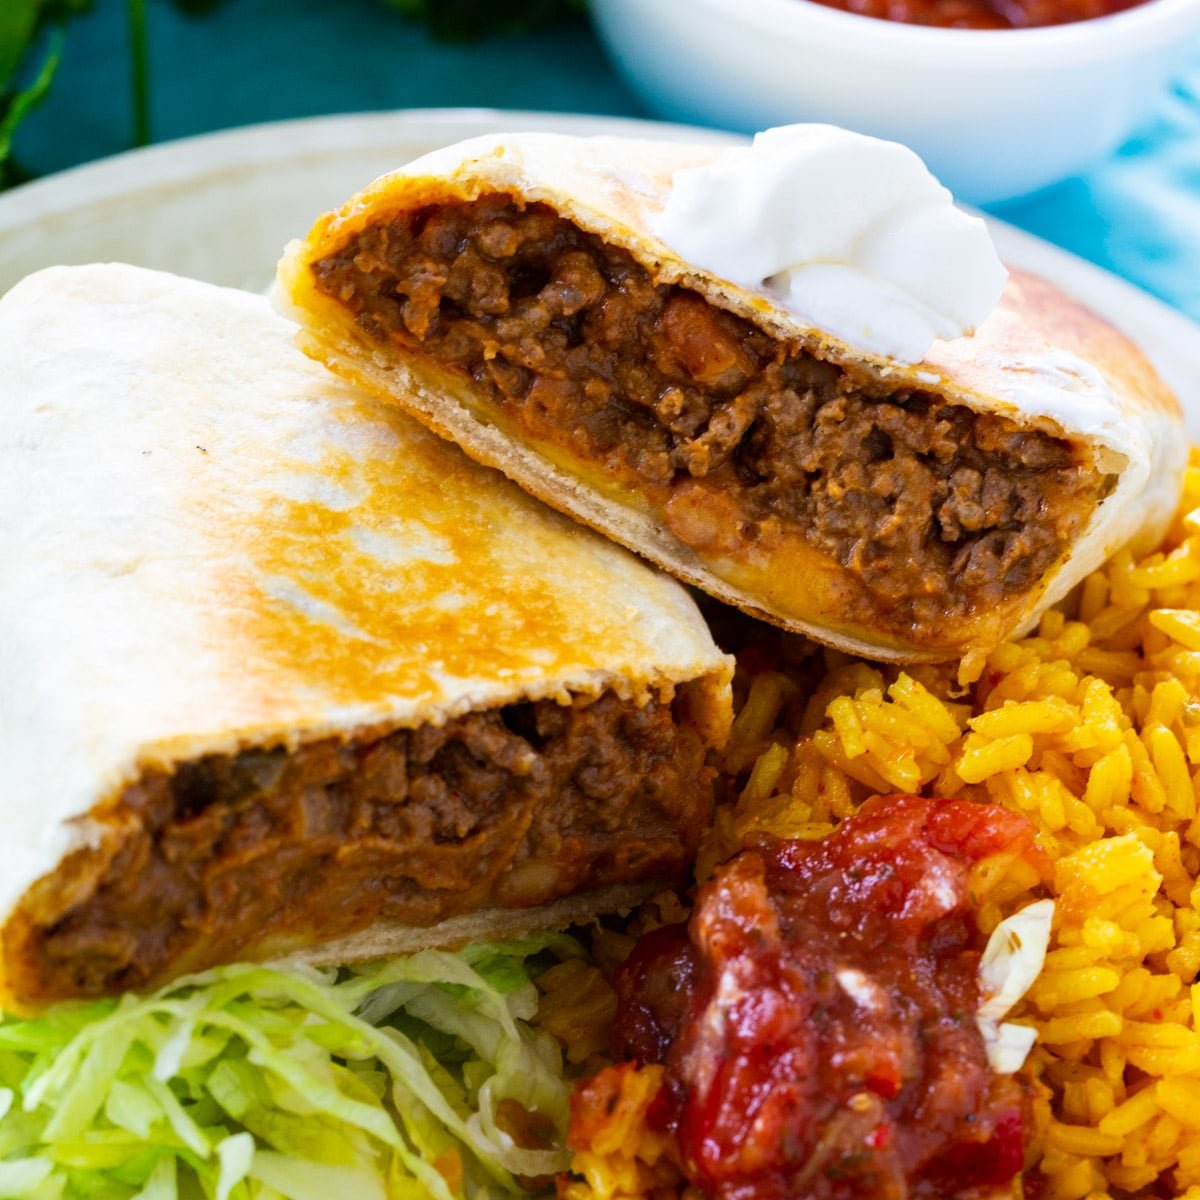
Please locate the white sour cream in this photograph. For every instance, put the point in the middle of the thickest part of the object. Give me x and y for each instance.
(851, 234)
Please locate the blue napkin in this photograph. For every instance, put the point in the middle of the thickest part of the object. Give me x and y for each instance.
(1138, 212)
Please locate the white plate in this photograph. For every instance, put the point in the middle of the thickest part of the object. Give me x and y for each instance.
(221, 207)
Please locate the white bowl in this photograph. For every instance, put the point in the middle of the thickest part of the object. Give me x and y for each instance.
(994, 113)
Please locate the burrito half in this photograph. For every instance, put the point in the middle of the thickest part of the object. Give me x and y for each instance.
(285, 674)
(510, 293)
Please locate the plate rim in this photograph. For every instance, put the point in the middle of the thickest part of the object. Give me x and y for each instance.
(258, 144)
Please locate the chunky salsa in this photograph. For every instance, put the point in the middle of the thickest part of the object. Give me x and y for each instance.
(983, 14)
(816, 1017)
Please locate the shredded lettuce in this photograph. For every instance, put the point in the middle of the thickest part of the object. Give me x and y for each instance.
(396, 1079)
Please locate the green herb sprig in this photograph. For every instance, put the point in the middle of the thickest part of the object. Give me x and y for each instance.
(32, 34)
(31, 41)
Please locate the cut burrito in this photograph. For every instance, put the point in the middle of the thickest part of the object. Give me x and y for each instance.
(285, 675)
(515, 294)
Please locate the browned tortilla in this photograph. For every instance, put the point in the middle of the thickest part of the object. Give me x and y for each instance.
(338, 690)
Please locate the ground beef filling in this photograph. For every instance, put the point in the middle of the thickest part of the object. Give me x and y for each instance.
(514, 807)
(934, 509)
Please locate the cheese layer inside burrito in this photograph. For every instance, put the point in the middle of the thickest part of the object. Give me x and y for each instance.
(524, 307)
(288, 675)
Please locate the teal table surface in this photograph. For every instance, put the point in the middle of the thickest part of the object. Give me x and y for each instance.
(1136, 213)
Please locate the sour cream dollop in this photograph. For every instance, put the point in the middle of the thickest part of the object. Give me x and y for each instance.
(850, 233)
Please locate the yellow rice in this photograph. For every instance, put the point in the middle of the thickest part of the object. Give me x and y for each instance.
(1090, 726)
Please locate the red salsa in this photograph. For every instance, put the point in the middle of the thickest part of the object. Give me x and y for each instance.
(816, 1017)
(982, 14)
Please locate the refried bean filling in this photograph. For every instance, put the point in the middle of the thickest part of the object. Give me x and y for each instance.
(934, 509)
(513, 807)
